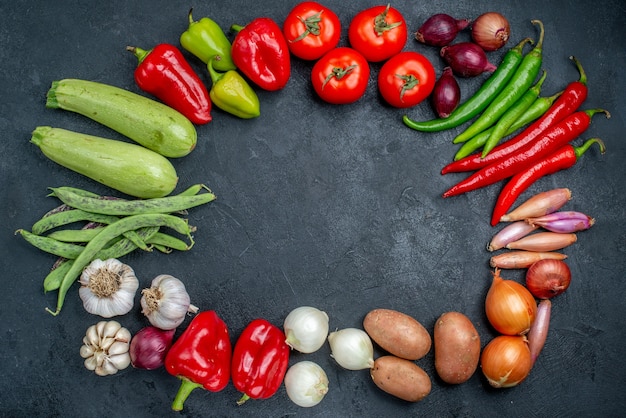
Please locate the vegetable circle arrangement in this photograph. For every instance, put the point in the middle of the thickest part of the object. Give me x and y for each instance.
(515, 134)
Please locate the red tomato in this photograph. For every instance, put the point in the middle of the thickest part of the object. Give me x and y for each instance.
(406, 79)
(341, 76)
(311, 30)
(378, 33)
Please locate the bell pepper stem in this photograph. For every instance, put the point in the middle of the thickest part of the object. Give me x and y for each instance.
(236, 28)
(215, 76)
(186, 387)
(141, 54)
(243, 399)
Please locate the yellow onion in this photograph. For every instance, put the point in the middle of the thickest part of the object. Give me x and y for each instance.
(510, 306)
(506, 361)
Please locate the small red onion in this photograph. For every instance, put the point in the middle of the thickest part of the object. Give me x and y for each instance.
(539, 329)
(491, 31)
(446, 94)
(149, 346)
(540, 204)
(466, 59)
(548, 278)
(440, 29)
(510, 233)
(563, 222)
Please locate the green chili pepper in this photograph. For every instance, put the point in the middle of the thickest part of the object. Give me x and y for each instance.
(231, 93)
(480, 100)
(521, 81)
(206, 39)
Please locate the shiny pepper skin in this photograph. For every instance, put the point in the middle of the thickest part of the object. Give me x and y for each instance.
(231, 93)
(205, 39)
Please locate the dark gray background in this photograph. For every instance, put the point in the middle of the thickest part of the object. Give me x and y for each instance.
(337, 207)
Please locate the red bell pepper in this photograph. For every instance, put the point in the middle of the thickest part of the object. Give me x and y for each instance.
(260, 51)
(200, 357)
(164, 73)
(260, 360)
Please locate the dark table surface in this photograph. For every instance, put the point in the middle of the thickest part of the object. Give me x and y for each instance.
(337, 207)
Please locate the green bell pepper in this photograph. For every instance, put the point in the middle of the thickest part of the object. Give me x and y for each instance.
(231, 93)
(205, 39)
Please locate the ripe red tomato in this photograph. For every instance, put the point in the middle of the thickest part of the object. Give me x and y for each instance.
(340, 76)
(406, 79)
(378, 33)
(311, 30)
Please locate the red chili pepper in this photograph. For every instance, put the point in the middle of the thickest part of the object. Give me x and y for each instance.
(200, 357)
(260, 51)
(551, 140)
(260, 360)
(164, 73)
(567, 103)
(564, 158)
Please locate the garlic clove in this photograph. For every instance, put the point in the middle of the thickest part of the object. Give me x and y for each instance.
(86, 351)
(120, 361)
(90, 363)
(118, 347)
(92, 337)
(123, 335)
(110, 328)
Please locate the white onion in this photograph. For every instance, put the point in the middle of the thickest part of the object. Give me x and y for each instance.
(306, 329)
(352, 348)
(306, 383)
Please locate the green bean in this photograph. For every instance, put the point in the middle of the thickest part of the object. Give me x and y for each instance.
(521, 81)
(52, 246)
(110, 232)
(75, 235)
(53, 280)
(168, 204)
(169, 241)
(193, 190)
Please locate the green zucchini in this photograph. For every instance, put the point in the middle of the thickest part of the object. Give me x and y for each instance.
(149, 123)
(123, 166)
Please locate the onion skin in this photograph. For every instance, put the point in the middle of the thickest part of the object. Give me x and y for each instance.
(539, 331)
(446, 94)
(440, 29)
(491, 31)
(523, 259)
(466, 59)
(543, 241)
(546, 279)
(563, 222)
(506, 361)
(510, 233)
(540, 204)
(149, 346)
(510, 307)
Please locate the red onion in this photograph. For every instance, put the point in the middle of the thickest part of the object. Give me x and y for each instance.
(440, 29)
(510, 233)
(548, 278)
(446, 94)
(491, 31)
(466, 59)
(539, 329)
(149, 347)
(563, 222)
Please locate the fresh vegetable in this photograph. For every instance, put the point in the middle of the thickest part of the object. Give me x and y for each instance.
(446, 94)
(306, 329)
(551, 140)
(561, 159)
(509, 306)
(510, 233)
(479, 100)
(205, 39)
(539, 204)
(539, 331)
(457, 347)
(260, 51)
(154, 125)
(401, 378)
(491, 31)
(166, 302)
(340, 76)
(522, 259)
(311, 30)
(126, 167)
(543, 241)
(351, 348)
(260, 360)
(200, 357)
(563, 222)
(397, 333)
(567, 103)
(466, 59)
(306, 383)
(523, 78)
(108, 288)
(164, 73)
(378, 33)
(506, 361)
(105, 348)
(149, 346)
(232, 93)
(546, 279)
(512, 114)
(440, 29)
(406, 79)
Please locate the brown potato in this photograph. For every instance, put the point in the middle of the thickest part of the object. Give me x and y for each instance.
(401, 378)
(397, 333)
(457, 347)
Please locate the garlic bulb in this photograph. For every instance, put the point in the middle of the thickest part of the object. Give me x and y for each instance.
(108, 288)
(166, 302)
(105, 348)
